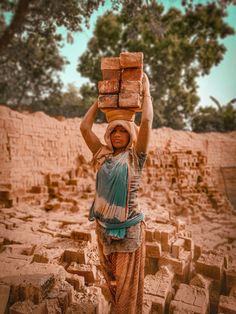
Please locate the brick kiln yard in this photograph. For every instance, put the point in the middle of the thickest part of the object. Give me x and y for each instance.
(48, 257)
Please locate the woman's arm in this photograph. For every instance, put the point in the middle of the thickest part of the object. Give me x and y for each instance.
(146, 119)
(86, 125)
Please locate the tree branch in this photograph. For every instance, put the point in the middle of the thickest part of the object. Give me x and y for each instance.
(17, 20)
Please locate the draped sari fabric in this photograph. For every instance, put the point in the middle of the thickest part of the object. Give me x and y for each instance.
(112, 189)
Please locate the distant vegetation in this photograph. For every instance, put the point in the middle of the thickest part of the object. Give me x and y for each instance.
(178, 46)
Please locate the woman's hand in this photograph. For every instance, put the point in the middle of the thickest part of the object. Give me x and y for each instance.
(146, 84)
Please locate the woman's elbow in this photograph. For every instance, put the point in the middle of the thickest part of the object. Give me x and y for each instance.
(83, 127)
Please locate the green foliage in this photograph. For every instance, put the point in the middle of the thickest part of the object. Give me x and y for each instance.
(29, 46)
(73, 102)
(28, 69)
(178, 47)
(219, 119)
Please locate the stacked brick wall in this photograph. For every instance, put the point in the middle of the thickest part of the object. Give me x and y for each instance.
(34, 146)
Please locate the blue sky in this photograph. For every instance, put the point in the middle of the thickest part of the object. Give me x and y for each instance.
(220, 83)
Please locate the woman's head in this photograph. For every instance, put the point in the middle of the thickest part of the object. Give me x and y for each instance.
(121, 134)
(119, 137)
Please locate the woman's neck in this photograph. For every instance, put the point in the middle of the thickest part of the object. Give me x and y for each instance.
(117, 151)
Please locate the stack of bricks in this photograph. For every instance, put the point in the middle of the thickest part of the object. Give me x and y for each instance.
(122, 82)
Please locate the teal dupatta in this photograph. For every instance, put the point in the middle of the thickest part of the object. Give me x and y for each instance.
(110, 206)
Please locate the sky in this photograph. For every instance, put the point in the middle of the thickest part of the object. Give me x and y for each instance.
(220, 83)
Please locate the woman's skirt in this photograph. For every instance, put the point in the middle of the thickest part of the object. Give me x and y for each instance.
(124, 274)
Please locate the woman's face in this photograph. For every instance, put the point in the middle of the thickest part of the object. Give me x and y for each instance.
(119, 137)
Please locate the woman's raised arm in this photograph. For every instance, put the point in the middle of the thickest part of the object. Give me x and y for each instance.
(86, 125)
(146, 119)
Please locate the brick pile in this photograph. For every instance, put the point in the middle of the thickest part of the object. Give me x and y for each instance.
(48, 253)
(56, 265)
(183, 181)
(35, 148)
(122, 82)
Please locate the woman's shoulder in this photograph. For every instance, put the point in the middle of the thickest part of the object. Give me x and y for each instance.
(100, 156)
(139, 157)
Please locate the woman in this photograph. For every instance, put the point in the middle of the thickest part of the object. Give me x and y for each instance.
(119, 220)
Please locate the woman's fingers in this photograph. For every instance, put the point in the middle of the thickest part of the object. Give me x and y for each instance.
(145, 82)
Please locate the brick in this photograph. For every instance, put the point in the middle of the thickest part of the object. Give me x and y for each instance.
(76, 281)
(107, 101)
(131, 59)
(158, 284)
(153, 249)
(149, 235)
(65, 296)
(188, 243)
(201, 282)
(200, 300)
(157, 235)
(27, 307)
(87, 271)
(52, 306)
(190, 298)
(177, 247)
(130, 100)
(111, 75)
(233, 291)
(29, 287)
(177, 307)
(109, 87)
(75, 255)
(166, 236)
(133, 74)
(230, 277)
(151, 265)
(36, 189)
(131, 87)
(157, 303)
(210, 265)
(227, 305)
(197, 251)
(80, 235)
(4, 296)
(110, 63)
(177, 265)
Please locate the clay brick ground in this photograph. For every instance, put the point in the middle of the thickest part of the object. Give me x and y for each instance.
(48, 252)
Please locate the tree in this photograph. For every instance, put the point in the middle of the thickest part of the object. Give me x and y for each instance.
(219, 119)
(178, 47)
(29, 45)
